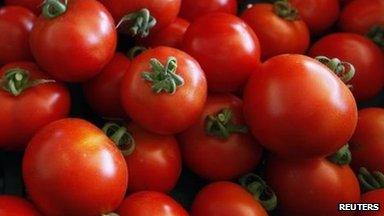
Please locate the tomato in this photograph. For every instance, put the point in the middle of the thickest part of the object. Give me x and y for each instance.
(171, 35)
(372, 197)
(35, 102)
(156, 13)
(74, 46)
(297, 107)
(71, 168)
(148, 203)
(319, 15)
(212, 142)
(164, 90)
(269, 27)
(33, 5)
(369, 76)
(193, 9)
(312, 187)
(103, 91)
(15, 25)
(227, 67)
(15, 206)
(226, 199)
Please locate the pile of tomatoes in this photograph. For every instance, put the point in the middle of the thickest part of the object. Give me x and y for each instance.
(192, 107)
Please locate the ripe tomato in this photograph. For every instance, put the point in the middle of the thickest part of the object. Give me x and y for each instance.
(15, 206)
(226, 199)
(103, 91)
(73, 46)
(171, 35)
(148, 203)
(312, 187)
(269, 25)
(369, 76)
(71, 168)
(367, 143)
(319, 15)
(30, 106)
(33, 5)
(192, 9)
(164, 90)
(227, 67)
(212, 142)
(15, 25)
(297, 107)
(157, 14)
(376, 196)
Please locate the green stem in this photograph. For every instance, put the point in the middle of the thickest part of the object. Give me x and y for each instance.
(285, 10)
(376, 34)
(54, 8)
(121, 137)
(370, 181)
(221, 125)
(342, 157)
(135, 51)
(139, 22)
(344, 70)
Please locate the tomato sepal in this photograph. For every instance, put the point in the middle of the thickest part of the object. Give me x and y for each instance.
(370, 181)
(54, 8)
(121, 137)
(285, 10)
(376, 34)
(140, 22)
(342, 157)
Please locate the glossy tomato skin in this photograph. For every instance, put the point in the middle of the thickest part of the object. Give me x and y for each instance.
(226, 199)
(35, 107)
(164, 113)
(75, 46)
(16, 206)
(155, 163)
(15, 26)
(297, 107)
(205, 154)
(360, 16)
(71, 168)
(312, 187)
(103, 91)
(227, 67)
(164, 11)
(319, 15)
(33, 5)
(369, 76)
(193, 9)
(367, 144)
(376, 196)
(148, 203)
(269, 28)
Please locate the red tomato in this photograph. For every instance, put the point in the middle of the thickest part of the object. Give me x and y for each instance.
(205, 152)
(71, 168)
(313, 187)
(369, 76)
(297, 107)
(15, 25)
(192, 9)
(319, 15)
(76, 45)
(226, 65)
(269, 27)
(28, 108)
(150, 203)
(171, 35)
(15, 206)
(367, 144)
(226, 199)
(33, 5)
(376, 196)
(103, 91)
(169, 103)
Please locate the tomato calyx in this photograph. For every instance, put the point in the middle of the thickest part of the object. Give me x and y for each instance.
(16, 80)
(221, 125)
(342, 157)
(163, 78)
(54, 8)
(344, 70)
(285, 10)
(370, 181)
(260, 190)
(140, 22)
(121, 137)
(376, 34)
(135, 51)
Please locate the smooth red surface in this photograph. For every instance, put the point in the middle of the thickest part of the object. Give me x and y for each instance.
(75, 46)
(376, 196)
(33, 5)
(164, 113)
(71, 168)
(363, 54)
(193, 9)
(16, 206)
(15, 26)
(205, 154)
(23, 115)
(296, 107)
